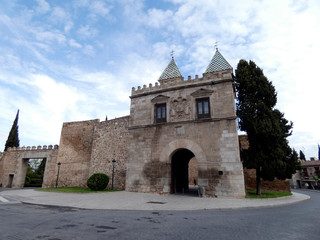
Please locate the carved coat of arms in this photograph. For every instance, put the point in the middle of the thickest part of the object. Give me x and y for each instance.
(180, 109)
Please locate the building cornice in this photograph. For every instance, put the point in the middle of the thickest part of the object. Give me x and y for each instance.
(183, 122)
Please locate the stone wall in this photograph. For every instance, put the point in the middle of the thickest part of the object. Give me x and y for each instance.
(250, 175)
(193, 171)
(110, 142)
(275, 185)
(75, 152)
(88, 147)
(1, 167)
(15, 164)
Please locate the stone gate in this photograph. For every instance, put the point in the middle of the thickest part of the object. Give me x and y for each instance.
(170, 123)
(14, 164)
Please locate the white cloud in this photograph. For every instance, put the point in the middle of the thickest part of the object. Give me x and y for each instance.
(158, 18)
(100, 8)
(59, 15)
(87, 31)
(74, 43)
(43, 7)
(95, 8)
(50, 36)
(68, 26)
(89, 50)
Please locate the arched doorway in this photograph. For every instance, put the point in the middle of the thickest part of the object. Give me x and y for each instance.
(179, 170)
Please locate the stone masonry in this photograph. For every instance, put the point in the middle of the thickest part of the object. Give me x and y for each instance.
(14, 163)
(110, 142)
(178, 130)
(212, 140)
(88, 147)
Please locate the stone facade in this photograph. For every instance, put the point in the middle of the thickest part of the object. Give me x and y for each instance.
(213, 140)
(178, 131)
(14, 163)
(110, 142)
(308, 175)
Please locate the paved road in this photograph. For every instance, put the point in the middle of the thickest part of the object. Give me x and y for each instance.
(123, 200)
(294, 221)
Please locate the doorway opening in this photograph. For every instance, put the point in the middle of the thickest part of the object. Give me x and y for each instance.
(180, 173)
(10, 180)
(34, 172)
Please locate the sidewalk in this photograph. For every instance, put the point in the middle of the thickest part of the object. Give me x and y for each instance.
(139, 201)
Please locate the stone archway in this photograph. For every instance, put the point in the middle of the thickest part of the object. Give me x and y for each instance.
(179, 170)
(171, 148)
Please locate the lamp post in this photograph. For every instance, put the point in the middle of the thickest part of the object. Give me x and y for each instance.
(113, 162)
(59, 164)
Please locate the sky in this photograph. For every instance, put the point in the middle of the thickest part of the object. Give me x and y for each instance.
(64, 61)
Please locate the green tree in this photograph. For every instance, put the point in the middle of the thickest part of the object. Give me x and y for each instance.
(268, 153)
(35, 173)
(13, 138)
(41, 168)
(302, 156)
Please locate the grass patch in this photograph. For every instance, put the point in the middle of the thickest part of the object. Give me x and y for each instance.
(266, 194)
(73, 190)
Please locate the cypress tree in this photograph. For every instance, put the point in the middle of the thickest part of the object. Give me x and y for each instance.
(302, 156)
(13, 138)
(267, 129)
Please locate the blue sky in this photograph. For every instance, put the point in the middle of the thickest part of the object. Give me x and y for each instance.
(64, 61)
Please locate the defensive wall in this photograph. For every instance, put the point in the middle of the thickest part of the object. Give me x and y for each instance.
(88, 147)
(250, 175)
(110, 140)
(174, 126)
(14, 164)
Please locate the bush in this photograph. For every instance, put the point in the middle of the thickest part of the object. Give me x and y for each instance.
(98, 182)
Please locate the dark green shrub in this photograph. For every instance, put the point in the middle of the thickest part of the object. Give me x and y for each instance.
(98, 182)
(27, 181)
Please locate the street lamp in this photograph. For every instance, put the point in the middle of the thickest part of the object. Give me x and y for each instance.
(113, 162)
(59, 164)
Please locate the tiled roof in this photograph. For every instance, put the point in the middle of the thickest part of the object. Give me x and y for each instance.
(171, 71)
(310, 163)
(218, 63)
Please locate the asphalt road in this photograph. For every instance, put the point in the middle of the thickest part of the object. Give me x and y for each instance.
(295, 221)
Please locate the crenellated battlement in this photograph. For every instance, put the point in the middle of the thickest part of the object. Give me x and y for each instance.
(179, 81)
(33, 148)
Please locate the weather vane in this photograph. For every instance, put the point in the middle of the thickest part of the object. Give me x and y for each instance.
(171, 53)
(216, 45)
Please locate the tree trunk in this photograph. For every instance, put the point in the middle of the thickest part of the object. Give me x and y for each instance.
(258, 189)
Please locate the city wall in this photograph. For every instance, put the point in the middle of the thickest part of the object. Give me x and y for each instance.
(14, 164)
(88, 147)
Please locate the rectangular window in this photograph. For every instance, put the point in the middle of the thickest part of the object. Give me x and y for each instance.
(161, 113)
(203, 108)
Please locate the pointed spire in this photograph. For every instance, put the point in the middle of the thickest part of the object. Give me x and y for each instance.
(218, 63)
(171, 71)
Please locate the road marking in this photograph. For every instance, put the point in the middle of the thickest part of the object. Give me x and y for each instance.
(3, 199)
